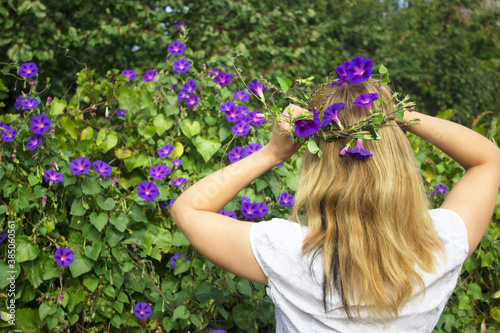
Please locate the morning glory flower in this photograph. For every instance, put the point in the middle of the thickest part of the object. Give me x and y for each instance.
(227, 106)
(440, 189)
(242, 109)
(256, 118)
(30, 104)
(176, 48)
(178, 182)
(165, 151)
(64, 256)
(233, 115)
(121, 112)
(256, 88)
(359, 152)
(129, 73)
(190, 86)
(102, 168)
(176, 162)
(19, 102)
(331, 113)
(366, 100)
(173, 259)
(241, 95)
(180, 25)
(252, 148)
(286, 199)
(218, 331)
(223, 79)
(9, 135)
(341, 70)
(142, 310)
(181, 65)
(229, 213)
(53, 176)
(236, 154)
(262, 209)
(3, 235)
(181, 95)
(28, 70)
(34, 141)
(245, 199)
(305, 128)
(159, 171)
(192, 101)
(241, 128)
(147, 191)
(149, 76)
(40, 124)
(80, 166)
(359, 69)
(249, 210)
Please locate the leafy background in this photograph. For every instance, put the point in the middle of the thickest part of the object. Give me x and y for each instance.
(443, 53)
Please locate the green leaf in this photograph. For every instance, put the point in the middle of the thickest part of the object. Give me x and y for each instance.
(52, 322)
(25, 249)
(181, 312)
(77, 208)
(179, 239)
(399, 115)
(106, 142)
(446, 114)
(127, 99)
(69, 126)
(87, 134)
(57, 107)
(382, 69)
(3, 209)
(73, 318)
(93, 251)
(81, 265)
(110, 291)
(137, 214)
(99, 221)
(120, 222)
(224, 133)
(146, 130)
(91, 282)
(225, 93)
(495, 313)
(33, 179)
(43, 310)
(107, 204)
(116, 321)
(206, 147)
(241, 314)
(284, 84)
(190, 128)
(181, 265)
(312, 146)
(90, 186)
(162, 124)
(244, 287)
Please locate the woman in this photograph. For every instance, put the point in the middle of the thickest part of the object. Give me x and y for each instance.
(368, 255)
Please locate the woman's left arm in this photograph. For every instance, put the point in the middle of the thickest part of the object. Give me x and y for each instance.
(223, 240)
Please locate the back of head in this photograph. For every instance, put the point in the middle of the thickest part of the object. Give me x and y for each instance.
(367, 218)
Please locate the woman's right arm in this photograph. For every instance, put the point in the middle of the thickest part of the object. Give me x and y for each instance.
(474, 196)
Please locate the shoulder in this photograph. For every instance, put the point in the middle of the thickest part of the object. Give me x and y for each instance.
(452, 232)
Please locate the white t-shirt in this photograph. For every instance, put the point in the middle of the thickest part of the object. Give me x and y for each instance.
(298, 296)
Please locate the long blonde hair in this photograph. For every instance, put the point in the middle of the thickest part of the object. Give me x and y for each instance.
(368, 218)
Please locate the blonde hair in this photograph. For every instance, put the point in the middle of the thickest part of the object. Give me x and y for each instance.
(368, 218)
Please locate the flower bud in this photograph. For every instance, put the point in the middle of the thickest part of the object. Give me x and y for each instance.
(49, 99)
(13, 156)
(52, 132)
(32, 84)
(106, 114)
(133, 245)
(44, 199)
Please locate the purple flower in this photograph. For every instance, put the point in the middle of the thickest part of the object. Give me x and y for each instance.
(19, 102)
(223, 79)
(147, 191)
(102, 168)
(28, 70)
(359, 152)
(218, 331)
(159, 171)
(229, 213)
(343, 151)
(305, 128)
(359, 69)
(181, 65)
(171, 203)
(165, 151)
(241, 128)
(341, 70)
(228, 106)
(183, 94)
(256, 88)
(256, 118)
(34, 141)
(245, 199)
(254, 210)
(121, 112)
(173, 259)
(129, 73)
(190, 86)
(252, 148)
(142, 310)
(192, 101)
(241, 95)
(40, 124)
(64, 256)
(366, 100)
(30, 104)
(440, 189)
(176, 48)
(286, 199)
(176, 162)
(80, 166)
(9, 135)
(331, 113)
(180, 25)
(234, 115)
(53, 176)
(149, 76)
(236, 154)
(178, 182)
(3, 235)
